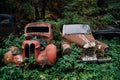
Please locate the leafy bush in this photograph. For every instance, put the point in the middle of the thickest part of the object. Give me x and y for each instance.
(69, 67)
(11, 72)
(13, 41)
(109, 18)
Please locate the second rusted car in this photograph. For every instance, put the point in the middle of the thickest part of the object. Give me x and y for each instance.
(80, 34)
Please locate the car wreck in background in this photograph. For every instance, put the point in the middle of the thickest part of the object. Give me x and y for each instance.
(37, 44)
(80, 34)
(7, 27)
(109, 33)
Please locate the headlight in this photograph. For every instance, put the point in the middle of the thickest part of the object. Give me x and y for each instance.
(106, 49)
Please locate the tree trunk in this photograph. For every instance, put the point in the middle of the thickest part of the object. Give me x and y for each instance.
(37, 16)
(44, 4)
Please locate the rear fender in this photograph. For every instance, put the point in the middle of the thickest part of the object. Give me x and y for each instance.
(18, 59)
(8, 57)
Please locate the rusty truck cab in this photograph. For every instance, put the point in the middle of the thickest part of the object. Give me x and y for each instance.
(37, 44)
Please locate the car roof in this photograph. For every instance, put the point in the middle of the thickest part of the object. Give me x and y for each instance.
(7, 16)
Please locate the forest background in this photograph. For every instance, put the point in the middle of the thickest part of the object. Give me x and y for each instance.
(99, 14)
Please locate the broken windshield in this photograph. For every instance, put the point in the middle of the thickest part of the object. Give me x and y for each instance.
(76, 28)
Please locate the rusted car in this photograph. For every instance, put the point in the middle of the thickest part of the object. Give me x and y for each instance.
(37, 44)
(80, 34)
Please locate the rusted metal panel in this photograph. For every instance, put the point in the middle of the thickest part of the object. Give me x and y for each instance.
(44, 31)
(81, 39)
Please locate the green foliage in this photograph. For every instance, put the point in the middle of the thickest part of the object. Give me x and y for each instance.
(75, 11)
(69, 67)
(11, 72)
(109, 18)
(113, 8)
(13, 41)
(68, 61)
(35, 75)
(28, 10)
(84, 11)
(88, 11)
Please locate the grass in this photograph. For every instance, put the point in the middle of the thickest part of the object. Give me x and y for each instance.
(67, 67)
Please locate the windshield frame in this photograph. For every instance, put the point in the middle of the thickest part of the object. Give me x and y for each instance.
(76, 29)
(37, 29)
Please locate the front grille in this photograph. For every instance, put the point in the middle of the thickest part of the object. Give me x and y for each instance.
(29, 50)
